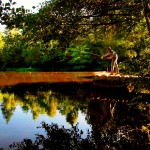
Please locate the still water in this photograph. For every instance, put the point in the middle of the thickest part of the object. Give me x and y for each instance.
(27, 99)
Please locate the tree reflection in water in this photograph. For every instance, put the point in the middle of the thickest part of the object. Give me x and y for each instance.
(118, 121)
(123, 126)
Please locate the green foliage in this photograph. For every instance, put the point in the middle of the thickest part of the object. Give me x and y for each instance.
(19, 52)
(32, 55)
(12, 51)
(1, 42)
(85, 55)
(136, 52)
(62, 36)
(1, 47)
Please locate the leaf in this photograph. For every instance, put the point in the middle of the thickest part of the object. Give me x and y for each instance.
(144, 128)
(7, 4)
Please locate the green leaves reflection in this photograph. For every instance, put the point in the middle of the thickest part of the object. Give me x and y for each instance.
(116, 122)
(38, 102)
(8, 105)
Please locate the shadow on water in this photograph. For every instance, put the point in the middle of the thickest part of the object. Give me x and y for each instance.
(118, 119)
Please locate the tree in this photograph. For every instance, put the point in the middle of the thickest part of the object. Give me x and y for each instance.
(63, 22)
(66, 20)
(147, 13)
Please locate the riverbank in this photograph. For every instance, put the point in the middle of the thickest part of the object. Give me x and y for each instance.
(98, 78)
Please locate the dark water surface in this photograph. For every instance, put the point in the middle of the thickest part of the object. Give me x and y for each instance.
(27, 99)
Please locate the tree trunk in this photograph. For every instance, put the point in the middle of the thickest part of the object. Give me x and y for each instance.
(146, 10)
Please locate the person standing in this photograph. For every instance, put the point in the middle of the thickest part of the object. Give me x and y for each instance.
(112, 55)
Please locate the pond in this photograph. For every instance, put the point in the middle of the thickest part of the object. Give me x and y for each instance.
(68, 99)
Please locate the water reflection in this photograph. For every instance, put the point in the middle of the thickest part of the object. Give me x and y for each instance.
(99, 109)
(40, 102)
(99, 112)
(48, 98)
